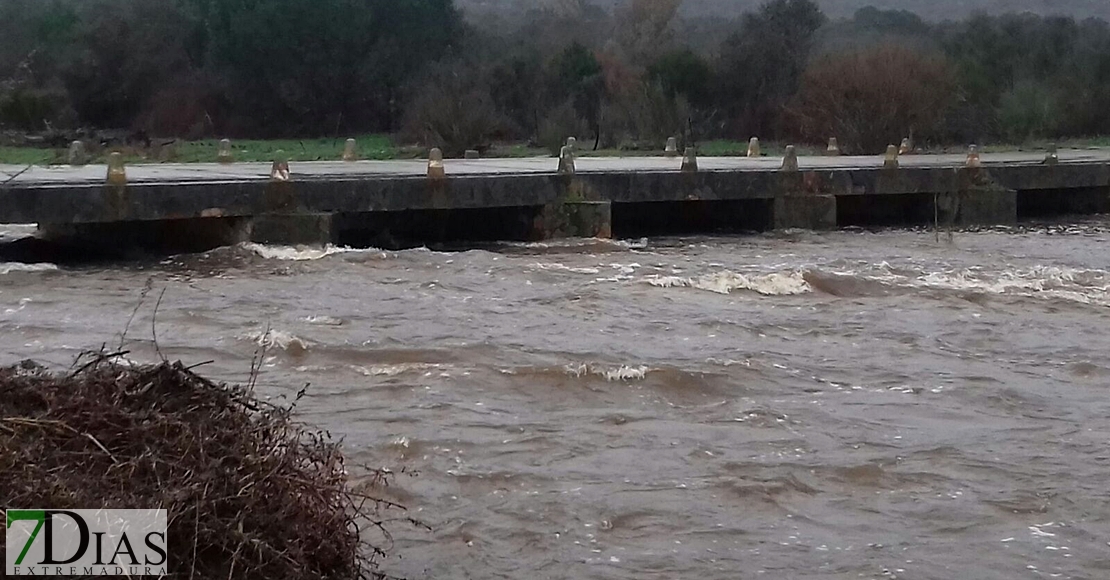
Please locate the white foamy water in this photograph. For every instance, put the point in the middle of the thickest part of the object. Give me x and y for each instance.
(572, 243)
(10, 267)
(392, 370)
(324, 320)
(1085, 286)
(625, 269)
(17, 231)
(727, 281)
(557, 267)
(278, 339)
(617, 373)
(623, 373)
(304, 253)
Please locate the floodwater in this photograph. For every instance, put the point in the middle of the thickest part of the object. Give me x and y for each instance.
(794, 405)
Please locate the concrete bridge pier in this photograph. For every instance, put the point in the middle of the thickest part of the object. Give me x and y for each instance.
(962, 208)
(579, 211)
(111, 239)
(574, 219)
(192, 234)
(979, 200)
(293, 230)
(810, 212)
(803, 200)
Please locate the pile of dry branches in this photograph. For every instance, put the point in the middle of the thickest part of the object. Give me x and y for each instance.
(249, 492)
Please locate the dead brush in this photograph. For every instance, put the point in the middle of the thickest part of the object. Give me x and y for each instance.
(250, 493)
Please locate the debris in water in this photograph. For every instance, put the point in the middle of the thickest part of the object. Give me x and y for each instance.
(250, 493)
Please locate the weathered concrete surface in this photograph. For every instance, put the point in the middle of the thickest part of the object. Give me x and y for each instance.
(810, 212)
(1047, 202)
(983, 207)
(292, 230)
(327, 170)
(114, 238)
(979, 200)
(574, 219)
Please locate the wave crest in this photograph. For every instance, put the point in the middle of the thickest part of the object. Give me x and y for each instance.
(621, 373)
(1081, 286)
(726, 281)
(280, 339)
(557, 267)
(9, 267)
(303, 253)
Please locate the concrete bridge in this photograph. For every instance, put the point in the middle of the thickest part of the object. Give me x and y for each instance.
(187, 206)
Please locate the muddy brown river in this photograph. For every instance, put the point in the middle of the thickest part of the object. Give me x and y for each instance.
(794, 405)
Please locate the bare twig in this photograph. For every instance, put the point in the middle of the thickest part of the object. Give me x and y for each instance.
(154, 324)
(259, 358)
(13, 176)
(58, 424)
(142, 298)
(102, 448)
(196, 534)
(97, 358)
(936, 216)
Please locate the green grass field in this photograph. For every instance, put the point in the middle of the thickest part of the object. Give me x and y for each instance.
(369, 147)
(27, 156)
(383, 147)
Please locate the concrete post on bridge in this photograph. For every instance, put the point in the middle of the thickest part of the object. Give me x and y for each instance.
(671, 149)
(76, 155)
(224, 155)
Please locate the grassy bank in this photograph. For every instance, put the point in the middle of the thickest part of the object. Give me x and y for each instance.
(376, 147)
(384, 147)
(370, 147)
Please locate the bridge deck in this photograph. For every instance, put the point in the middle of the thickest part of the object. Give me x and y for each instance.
(159, 192)
(168, 173)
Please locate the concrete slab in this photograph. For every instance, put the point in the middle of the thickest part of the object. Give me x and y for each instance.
(21, 176)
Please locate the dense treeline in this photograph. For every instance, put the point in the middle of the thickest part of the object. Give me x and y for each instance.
(934, 10)
(260, 67)
(627, 77)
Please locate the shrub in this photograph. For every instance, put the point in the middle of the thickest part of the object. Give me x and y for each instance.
(452, 109)
(189, 106)
(29, 108)
(872, 97)
(561, 122)
(683, 73)
(1030, 110)
(646, 116)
